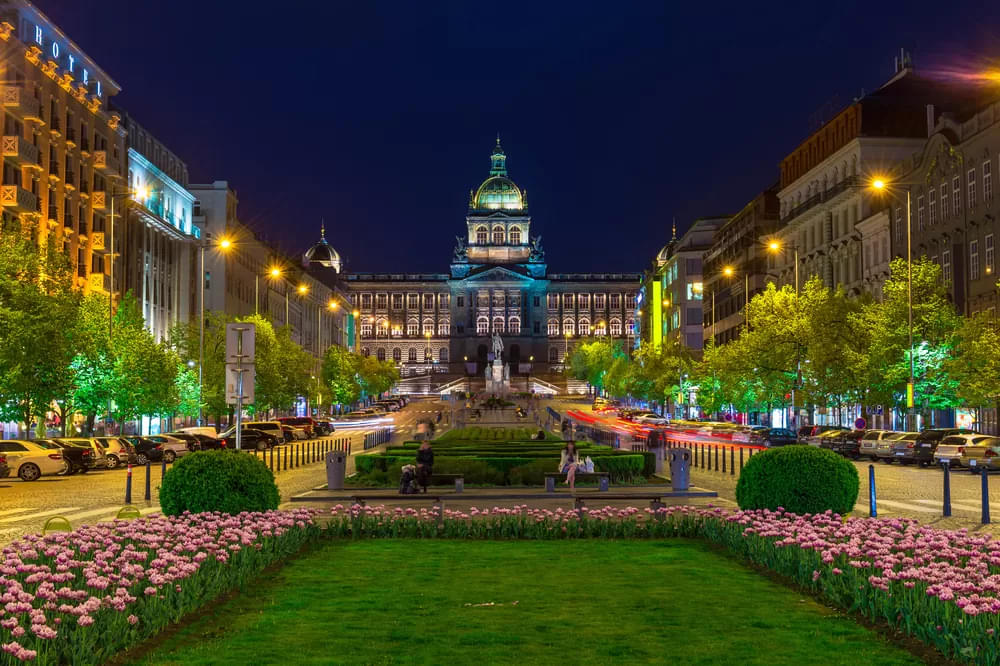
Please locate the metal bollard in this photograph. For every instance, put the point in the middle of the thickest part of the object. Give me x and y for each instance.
(723, 461)
(163, 470)
(872, 504)
(946, 504)
(732, 460)
(986, 497)
(716, 457)
(286, 459)
(297, 451)
(148, 475)
(272, 460)
(128, 485)
(741, 460)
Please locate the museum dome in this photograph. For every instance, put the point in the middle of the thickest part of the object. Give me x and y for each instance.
(498, 191)
(322, 253)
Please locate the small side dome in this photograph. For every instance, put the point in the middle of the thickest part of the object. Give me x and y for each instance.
(323, 254)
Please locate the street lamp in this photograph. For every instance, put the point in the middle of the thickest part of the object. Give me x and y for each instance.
(224, 245)
(274, 273)
(881, 185)
(775, 246)
(728, 272)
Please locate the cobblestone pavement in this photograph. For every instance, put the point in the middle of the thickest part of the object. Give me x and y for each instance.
(99, 494)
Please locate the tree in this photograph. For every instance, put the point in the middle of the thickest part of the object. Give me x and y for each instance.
(377, 377)
(186, 388)
(89, 390)
(974, 365)
(185, 339)
(339, 375)
(591, 359)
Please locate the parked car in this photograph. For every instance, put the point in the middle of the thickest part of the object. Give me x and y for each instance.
(292, 433)
(77, 453)
(4, 467)
(99, 460)
(117, 450)
(847, 443)
(30, 460)
(251, 439)
(922, 452)
(896, 447)
(273, 428)
(324, 427)
(173, 447)
(389, 405)
(207, 431)
(303, 422)
(870, 442)
(197, 441)
(771, 437)
(145, 449)
(817, 432)
(951, 448)
(825, 439)
(985, 452)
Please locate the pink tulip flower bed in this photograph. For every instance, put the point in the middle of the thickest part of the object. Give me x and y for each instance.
(81, 597)
(940, 586)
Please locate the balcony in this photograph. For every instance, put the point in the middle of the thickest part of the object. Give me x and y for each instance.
(19, 102)
(18, 199)
(105, 162)
(20, 151)
(99, 199)
(70, 180)
(71, 136)
(55, 126)
(98, 241)
(97, 282)
(816, 199)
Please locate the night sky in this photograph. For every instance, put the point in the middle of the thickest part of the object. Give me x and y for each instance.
(616, 117)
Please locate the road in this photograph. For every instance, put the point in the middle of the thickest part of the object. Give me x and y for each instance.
(99, 494)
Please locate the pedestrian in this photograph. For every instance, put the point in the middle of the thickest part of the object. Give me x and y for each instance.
(425, 464)
(439, 416)
(569, 459)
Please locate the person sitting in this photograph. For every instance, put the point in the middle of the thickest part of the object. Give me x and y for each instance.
(540, 435)
(425, 464)
(569, 460)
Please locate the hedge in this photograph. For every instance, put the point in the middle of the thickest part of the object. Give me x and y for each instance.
(224, 481)
(800, 479)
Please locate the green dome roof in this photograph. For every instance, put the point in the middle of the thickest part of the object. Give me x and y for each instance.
(498, 192)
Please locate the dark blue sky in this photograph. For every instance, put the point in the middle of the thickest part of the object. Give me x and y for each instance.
(616, 116)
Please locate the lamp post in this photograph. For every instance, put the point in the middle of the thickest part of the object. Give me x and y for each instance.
(224, 245)
(775, 246)
(567, 335)
(728, 272)
(880, 185)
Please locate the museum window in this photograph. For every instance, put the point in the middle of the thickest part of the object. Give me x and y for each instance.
(616, 327)
(988, 246)
(988, 180)
(971, 198)
(583, 300)
(366, 301)
(630, 301)
(515, 326)
(443, 354)
(413, 301)
(616, 301)
(536, 301)
(629, 327)
(443, 328)
(515, 236)
(498, 235)
(537, 327)
(600, 329)
(498, 324)
(553, 301)
(460, 301)
(599, 301)
(428, 355)
(944, 200)
(428, 326)
(413, 328)
(482, 326)
(397, 354)
(428, 301)
(366, 330)
(931, 207)
(366, 352)
(482, 236)
(956, 195)
(553, 329)
(381, 301)
(567, 301)
(380, 353)
(553, 354)
(568, 327)
(397, 301)
(411, 355)
(443, 301)
(974, 260)
(584, 327)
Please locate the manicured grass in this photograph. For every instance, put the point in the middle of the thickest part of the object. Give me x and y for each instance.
(577, 602)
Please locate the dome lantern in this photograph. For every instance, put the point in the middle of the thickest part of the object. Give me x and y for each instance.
(323, 254)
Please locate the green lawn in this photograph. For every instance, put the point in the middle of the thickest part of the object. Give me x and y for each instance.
(577, 602)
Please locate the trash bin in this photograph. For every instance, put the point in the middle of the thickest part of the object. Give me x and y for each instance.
(680, 468)
(336, 467)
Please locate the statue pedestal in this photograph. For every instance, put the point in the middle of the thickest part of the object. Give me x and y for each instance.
(497, 379)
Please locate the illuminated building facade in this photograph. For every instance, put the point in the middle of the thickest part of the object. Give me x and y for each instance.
(498, 282)
(63, 147)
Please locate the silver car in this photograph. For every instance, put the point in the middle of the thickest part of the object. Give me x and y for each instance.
(116, 450)
(870, 442)
(173, 448)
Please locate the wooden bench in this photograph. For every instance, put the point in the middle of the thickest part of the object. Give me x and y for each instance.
(457, 479)
(603, 479)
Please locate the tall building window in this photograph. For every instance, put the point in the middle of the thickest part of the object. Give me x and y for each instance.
(397, 301)
(381, 300)
(988, 180)
(616, 301)
(428, 326)
(920, 213)
(598, 301)
(413, 301)
(411, 355)
(956, 195)
(568, 326)
(482, 326)
(946, 266)
(515, 236)
(428, 301)
(944, 200)
(616, 326)
(366, 301)
(584, 327)
(498, 235)
(514, 326)
(931, 207)
(397, 354)
(972, 188)
(413, 328)
(498, 324)
(567, 301)
(988, 246)
(482, 236)
(973, 259)
(443, 328)
(630, 301)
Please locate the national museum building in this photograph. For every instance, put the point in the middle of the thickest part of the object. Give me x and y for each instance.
(498, 282)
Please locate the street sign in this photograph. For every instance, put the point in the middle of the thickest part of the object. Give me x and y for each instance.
(232, 383)
(860, 424)
(909, 395)
(240, 342)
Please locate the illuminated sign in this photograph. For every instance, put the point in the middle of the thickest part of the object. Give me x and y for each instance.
(65, 59)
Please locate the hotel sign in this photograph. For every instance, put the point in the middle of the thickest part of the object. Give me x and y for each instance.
(61, 54)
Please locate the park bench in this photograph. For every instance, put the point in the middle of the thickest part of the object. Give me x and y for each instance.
(457, 479)
(603, 479)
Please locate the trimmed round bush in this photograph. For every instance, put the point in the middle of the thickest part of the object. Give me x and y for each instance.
(223, 481)
(801, 479)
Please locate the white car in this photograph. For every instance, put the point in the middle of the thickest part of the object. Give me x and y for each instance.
(173, 448)
(207, 431)
(270, 427)
(649, 418)
(116, 450)
(31, 460)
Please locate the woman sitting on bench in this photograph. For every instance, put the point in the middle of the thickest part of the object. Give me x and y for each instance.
(569, 459)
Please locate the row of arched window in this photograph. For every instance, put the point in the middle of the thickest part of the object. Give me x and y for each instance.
(383, 328)
(584, 327)
(499, 235)
(484, 326)
(427, 356)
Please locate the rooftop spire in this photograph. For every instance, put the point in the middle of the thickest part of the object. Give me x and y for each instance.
(674, 228)
(498, 160)
(322, 229)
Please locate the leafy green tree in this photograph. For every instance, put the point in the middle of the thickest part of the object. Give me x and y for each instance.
(974, 365)
(376, 376)
(186, 388)
(185, 341)
(89, 391)
(591, 359)
(340, 375)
